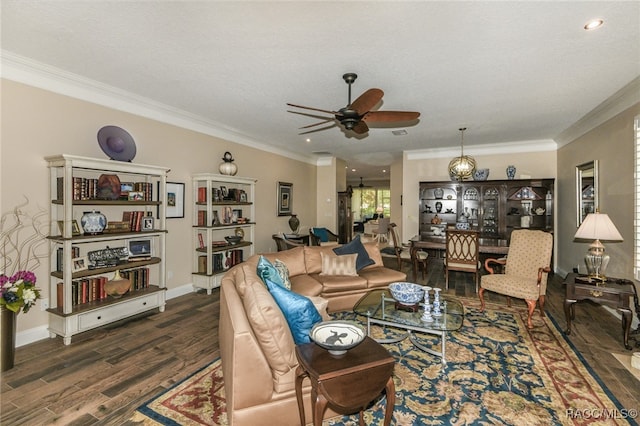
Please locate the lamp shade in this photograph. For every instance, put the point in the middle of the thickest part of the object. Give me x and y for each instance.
(598, 226)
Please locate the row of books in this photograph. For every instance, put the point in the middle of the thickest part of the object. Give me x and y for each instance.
(83, 291)
(229, 216)
(91, 289)
(223, 194)
(139, 277)
(134, 218)
(221, 261)
(87, 189)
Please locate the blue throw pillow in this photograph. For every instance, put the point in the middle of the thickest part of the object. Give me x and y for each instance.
(298, 310)
(266, 270)
(322, 234)
(355, 246)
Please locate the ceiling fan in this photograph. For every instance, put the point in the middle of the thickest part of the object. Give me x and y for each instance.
(362, 185)
(357, 114)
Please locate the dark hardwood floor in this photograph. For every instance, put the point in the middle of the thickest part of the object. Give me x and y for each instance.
(105, 374)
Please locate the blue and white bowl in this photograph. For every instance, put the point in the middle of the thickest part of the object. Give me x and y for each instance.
(406, 293)
(337, 336)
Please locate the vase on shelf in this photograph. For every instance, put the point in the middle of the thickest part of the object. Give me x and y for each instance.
(117, 286)
(227, 167)
(511, 172)
(438, 193)
(7, 338)
(294, 223)
(93, 222)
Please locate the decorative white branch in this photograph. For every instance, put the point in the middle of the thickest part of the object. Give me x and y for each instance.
(23, 239)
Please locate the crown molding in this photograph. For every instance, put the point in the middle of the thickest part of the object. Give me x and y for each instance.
(539, 145)
(33, 73)
(624, 98)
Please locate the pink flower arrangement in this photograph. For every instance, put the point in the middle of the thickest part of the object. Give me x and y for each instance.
(19, 291)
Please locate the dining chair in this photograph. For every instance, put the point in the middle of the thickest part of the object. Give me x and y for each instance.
(403, 252)
(526, 270)
(283, 244)
(462, 253)
(382, 231)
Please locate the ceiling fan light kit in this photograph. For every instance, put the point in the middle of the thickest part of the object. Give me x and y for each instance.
(462, 167)
(355, 116)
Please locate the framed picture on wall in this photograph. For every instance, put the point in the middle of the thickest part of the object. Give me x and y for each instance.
(285, 198)
(175, 200)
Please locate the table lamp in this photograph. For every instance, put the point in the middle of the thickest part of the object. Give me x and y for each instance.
(597, 226)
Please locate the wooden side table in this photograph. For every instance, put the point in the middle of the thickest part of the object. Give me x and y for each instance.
(614, 292)
(348, 383)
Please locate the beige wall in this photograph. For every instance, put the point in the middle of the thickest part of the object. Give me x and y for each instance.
(528, 164)
(326, 215)
(612, 145)
(37, 123)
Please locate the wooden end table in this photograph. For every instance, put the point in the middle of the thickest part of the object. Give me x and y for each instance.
(614, 292)
(347, 383)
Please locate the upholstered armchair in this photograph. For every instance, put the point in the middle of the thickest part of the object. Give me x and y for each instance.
(321, 235)
(462, 253)
(526, 269)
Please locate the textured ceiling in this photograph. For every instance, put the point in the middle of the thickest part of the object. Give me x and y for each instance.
(508, 71)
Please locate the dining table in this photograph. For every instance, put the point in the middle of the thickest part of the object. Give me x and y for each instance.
(488, 246)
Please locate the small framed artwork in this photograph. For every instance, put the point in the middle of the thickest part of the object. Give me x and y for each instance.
(79, 264)
(125, 188)
(75, 228)
(175, 200)
(285, 198)
(147, 223)
(224, 192)
(136, 196)
(243, 196)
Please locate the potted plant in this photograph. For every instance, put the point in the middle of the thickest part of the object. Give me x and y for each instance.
(22, 244)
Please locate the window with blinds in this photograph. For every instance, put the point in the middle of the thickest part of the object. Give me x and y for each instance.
(636, 222)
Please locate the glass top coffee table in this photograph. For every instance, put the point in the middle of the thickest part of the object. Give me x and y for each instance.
(380, 308)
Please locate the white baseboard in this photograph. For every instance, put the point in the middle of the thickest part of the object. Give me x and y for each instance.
(41, 332)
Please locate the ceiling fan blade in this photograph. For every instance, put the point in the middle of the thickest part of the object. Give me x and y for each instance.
(390, 116)
(316, 124)
(316, 109)
(319, 130)
(360, 128)
(366, 101)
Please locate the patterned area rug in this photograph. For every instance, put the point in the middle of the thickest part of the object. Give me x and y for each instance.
(498, 372)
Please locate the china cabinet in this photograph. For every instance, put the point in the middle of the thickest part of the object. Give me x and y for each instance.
(223, 226)
(126, 195)
(492, 207)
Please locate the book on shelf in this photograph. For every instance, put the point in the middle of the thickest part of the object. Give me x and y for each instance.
(202, 195)
(200, 240)
(134, 218)
(75, 252)
(202, 218)
(202, 264)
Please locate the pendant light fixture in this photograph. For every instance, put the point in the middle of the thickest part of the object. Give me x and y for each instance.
(462, 167)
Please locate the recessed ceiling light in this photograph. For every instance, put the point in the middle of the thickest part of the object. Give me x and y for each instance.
(353, 170)
(593, 24)
(400, 132)
(308, 140)
(384, 171)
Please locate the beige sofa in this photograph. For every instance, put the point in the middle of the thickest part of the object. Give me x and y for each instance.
(256, 345)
